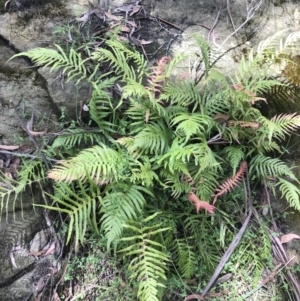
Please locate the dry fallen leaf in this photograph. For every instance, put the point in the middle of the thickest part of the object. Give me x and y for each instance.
(29, 128)
(135, 9)
(288, 237)
(9, 147)
(245, 124)
(132, 23)
(143, 42)
(37, 133)
(125, 29)
(113, 17)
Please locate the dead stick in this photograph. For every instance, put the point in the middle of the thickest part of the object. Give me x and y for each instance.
(235, 241)
(26, 155)
(227, 254)
(168, 23)
(23, 125)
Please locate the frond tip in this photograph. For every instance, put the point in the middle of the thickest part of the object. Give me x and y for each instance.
(200, 204)
(149, 263)
(99, 163)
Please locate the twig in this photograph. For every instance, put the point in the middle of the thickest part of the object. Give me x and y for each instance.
(233, 244)
(213, 27)
(275, 271)
(169, 23)
(30, 136)
(269, 204)
(250, 14)
(27, 156)
(227, 254)
(229, 14)
(218, 136)
(197, 81)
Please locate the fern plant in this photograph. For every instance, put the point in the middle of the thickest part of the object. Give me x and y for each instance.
(150, 259)
(166, 144)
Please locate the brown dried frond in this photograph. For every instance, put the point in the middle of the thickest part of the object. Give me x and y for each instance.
(231, 182)
(244, 124)
(157, 77)
(200, 204)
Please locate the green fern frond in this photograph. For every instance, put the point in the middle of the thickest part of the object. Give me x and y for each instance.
(72, 65)
(122, 201)
(263, 146)
(136, 115)
(287, 123)
(132, 56)
(181, 94)
(148, 265)
(177, 154)
(279, 126)
(81, 205)
(154, 138)
(270, 52)
(266, 146)
(263, 166)
(138, 95)
(185, 257)
(235, 155)
(205, 49)
(142, 172)
(289, 92)
(173, 63)
(208, 256)
(100, 163)
(215, 103)
(32, 172)
(269, 129)
(204, 183)
(281, 42)
(188, 125)
(206, 158)
(119, 56)
(271, 42)
(117, 61)
(71, 137)
(103, 107)
(290, 192)
(174, 182)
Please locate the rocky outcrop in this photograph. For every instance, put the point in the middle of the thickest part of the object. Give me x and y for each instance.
(29, 249)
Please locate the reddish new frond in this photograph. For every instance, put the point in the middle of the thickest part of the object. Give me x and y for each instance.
(200, 204)
(231, 182)
(157, 77)
(156, 80)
